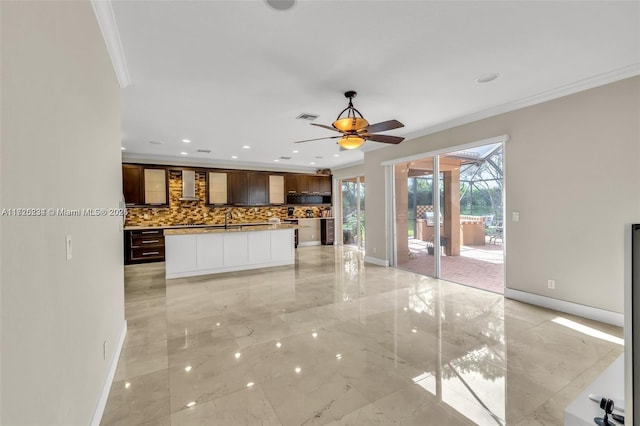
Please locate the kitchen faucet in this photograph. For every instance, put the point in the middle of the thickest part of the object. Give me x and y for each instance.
(230, 215)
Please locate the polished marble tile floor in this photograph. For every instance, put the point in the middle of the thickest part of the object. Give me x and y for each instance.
(336, 341)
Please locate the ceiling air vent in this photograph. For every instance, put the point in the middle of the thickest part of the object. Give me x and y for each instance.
(307, 116)
(285, 158)
(205, 151)
(155, 143)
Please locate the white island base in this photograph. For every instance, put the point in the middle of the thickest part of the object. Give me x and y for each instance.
(202, 253)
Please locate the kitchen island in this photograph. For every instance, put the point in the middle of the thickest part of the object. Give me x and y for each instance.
(202, 251)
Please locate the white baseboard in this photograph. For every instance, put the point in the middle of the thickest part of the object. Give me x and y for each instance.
(104, 395)
(584, 311)
(376, 261)
(308, 243)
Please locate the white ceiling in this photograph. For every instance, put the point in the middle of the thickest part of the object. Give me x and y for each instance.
(230, 73)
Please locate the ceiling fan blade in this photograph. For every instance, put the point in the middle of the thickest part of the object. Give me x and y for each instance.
(383, 126)
(325, 127)
(384, 138)
(317, 139)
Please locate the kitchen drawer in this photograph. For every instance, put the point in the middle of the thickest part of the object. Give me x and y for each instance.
(143, 246)
(147, 253)
(147, 233)
(147, 240)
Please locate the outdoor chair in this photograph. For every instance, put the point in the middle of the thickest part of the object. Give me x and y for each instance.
(496, 233)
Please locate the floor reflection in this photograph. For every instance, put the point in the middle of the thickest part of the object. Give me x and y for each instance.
(338, 341)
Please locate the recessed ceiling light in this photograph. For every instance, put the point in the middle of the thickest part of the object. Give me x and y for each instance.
(485, 78)
(122, 148)
(184, 153)
(246, 147)
(191, 404)
(313, 162)
(295, 151)
(234, 156)
(336, 155)
(186, 140)
(276, 160)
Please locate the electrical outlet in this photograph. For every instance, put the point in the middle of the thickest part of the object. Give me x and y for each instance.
(374, 250)
(145, 216)
(551, 284)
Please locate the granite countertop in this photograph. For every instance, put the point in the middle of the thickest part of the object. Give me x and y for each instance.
(204, 225)
(214, 225)
(231, 228)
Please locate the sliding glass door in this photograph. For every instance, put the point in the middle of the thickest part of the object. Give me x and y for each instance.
(457, 234)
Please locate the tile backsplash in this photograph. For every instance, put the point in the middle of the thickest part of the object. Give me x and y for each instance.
(197, 212)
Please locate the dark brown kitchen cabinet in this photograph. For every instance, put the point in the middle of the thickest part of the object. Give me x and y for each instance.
(258, 189)
(291, 184)
(302, 183)
(325, 184)
(132, 187)
(144, 246)
(145, 185)
(314, 184)
(327, 231)
(238, 194)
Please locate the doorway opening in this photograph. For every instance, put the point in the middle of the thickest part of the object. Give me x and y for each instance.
(352, 211)
(462, 192)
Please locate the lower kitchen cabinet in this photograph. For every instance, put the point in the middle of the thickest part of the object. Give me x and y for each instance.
(143, 246)
(327, 231)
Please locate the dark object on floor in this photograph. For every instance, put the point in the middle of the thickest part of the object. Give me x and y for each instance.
(607, 406)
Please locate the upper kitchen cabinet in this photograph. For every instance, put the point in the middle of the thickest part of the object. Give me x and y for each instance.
(217, 188)
(132, 184)
(302, 183)
(238, 193)
(142, 185)
(290, 184)
(258, 188)
(325, 185)
(314, 184)
(155, 186)
(276, 189)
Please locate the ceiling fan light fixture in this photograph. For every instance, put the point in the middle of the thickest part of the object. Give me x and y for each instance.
(351, 142)
(350, 124)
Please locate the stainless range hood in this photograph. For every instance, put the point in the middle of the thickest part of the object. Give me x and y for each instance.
(188, 186)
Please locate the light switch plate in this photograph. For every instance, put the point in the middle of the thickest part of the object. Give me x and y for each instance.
(515, 216)
(68, 245)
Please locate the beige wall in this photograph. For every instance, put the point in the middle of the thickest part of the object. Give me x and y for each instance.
(572, 169)
(348, 172)
(61, 149)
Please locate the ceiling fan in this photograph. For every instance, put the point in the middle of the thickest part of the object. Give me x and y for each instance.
(355, 129)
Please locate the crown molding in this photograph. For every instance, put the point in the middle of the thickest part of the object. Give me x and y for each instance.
(568, 89)
(107, 23)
